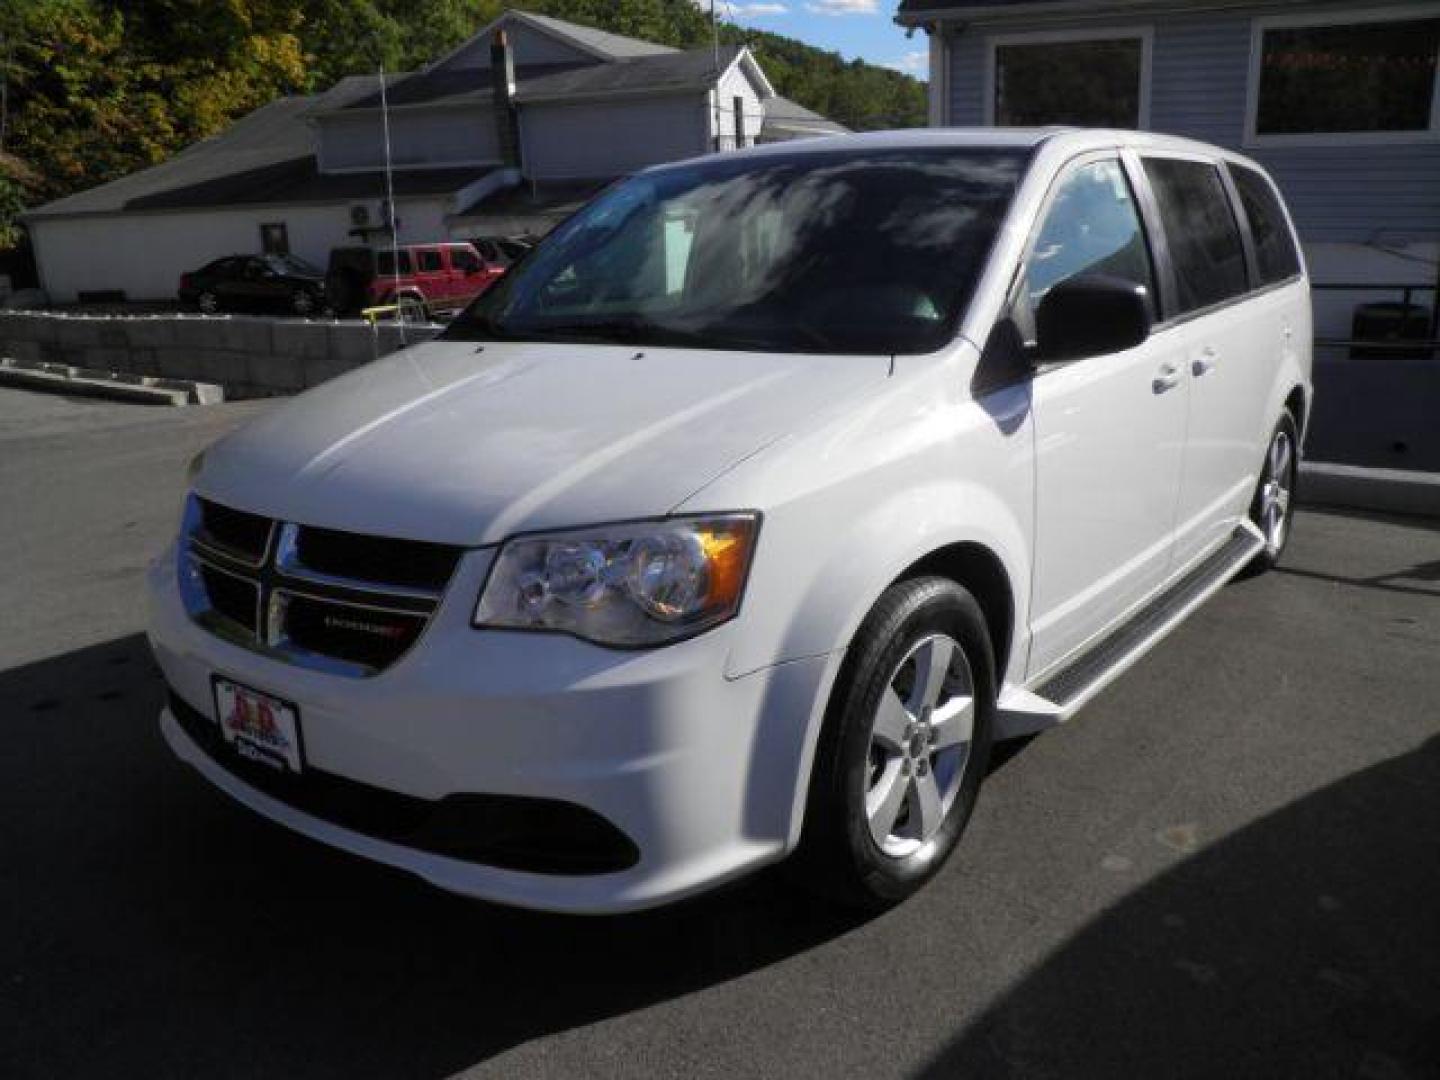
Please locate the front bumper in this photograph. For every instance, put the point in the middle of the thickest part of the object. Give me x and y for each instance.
(704, 774)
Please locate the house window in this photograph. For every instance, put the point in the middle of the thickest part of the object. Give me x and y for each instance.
(1084, 79)
(274, 238)
(1370, 77)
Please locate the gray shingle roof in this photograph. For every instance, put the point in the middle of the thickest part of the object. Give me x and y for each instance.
(693, 70)
(300, 181)
(270, 135)
(786, 119)
(616, 46)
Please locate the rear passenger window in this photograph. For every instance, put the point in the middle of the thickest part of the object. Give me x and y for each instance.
(428, 260)
(1091, 227)
(1274, 244)
(1201, 230)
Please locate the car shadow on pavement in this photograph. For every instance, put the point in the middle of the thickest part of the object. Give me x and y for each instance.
(1305, 945)
(157, 929)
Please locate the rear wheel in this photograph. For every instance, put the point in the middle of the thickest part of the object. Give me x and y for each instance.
(905, 746)
(208, 302)
(302, 303)
(1273, 506)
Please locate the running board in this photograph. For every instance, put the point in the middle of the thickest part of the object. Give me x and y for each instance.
(1060, 696)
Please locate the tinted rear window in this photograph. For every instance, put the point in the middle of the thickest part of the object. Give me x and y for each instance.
(1274, 245)
(1201, 230)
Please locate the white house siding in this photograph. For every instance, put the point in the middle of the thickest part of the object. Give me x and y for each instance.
(429, 137)
(609, 138)
(145, 254)
(1338, 193)
(732, 84)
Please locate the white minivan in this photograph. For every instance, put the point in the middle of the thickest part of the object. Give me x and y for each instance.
(743, 516)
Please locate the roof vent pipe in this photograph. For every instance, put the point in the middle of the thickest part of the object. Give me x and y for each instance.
(502, 84)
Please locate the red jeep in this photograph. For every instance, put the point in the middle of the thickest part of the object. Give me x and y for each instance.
(435, 277)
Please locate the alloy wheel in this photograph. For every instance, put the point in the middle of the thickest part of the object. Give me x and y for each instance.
(920, 739)
(208, 303)
(1275, 492)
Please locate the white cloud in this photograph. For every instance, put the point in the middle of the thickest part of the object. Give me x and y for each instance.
(726, 9)
(912, 63)
(844, 7)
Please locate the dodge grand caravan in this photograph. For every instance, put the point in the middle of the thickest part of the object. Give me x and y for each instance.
(745, 516)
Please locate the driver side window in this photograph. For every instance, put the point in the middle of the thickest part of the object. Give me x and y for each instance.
(1092, 226)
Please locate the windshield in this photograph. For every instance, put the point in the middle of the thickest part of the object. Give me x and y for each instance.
(803, 252)
(291, 264)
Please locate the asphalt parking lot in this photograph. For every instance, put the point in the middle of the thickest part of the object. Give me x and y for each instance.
(1227, 866)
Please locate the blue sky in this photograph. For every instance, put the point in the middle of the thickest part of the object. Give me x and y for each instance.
(853, 28)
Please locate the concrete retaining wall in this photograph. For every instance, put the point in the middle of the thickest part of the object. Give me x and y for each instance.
(1369, 412)
(250, 357)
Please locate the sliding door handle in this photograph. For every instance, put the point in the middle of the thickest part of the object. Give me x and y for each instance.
(1167, 379)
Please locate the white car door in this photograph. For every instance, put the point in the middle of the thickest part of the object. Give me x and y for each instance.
(1234, 339)
(1110, 429)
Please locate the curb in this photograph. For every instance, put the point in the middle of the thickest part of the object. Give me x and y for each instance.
(112, 385)
(1393, 491)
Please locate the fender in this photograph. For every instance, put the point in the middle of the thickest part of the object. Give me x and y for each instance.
(897, 534)
(1294, 370)
(918, 468)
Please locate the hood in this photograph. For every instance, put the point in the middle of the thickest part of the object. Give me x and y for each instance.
(467, 444)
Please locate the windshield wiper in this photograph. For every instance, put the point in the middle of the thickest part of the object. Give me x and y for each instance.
(619, 330)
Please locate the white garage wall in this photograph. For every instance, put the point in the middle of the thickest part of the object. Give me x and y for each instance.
(145, 254)
(600, 139)
(417, 137)
(735, 83)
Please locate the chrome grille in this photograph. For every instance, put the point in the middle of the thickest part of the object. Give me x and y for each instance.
(335, 601)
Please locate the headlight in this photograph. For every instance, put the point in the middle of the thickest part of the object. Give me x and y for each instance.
(645, 583)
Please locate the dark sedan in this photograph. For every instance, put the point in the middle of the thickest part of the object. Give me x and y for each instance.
(255, 283)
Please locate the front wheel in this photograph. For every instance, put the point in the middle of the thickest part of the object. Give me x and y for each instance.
(1273, 506)
(905, 746)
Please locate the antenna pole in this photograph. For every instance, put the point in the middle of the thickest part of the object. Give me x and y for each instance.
(390, 202)
(715, 45)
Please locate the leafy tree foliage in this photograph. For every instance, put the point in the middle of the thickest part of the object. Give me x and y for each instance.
(99, 88)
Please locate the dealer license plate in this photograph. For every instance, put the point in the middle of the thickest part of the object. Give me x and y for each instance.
(259, 727)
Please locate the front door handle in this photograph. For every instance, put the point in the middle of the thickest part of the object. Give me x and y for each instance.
(1204, 362)
(1167, 379)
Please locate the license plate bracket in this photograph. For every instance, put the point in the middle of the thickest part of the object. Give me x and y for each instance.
(259, 727)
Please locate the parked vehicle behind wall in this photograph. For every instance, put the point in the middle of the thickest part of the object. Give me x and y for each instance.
(255, 283)
(432, 277)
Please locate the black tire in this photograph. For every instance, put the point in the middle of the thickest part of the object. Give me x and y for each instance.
(839, 857)
(304, 303)
(207, 302)
(413, 309)
(1288, 430)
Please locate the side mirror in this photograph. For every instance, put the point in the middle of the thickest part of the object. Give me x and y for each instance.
(1090, 315)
